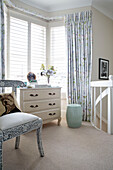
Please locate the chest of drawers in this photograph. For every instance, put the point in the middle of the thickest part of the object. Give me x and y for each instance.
(42, 102)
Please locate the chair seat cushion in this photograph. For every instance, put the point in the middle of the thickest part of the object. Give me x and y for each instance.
(16, 119)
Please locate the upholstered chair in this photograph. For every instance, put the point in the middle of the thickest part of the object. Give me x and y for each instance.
(18, 123)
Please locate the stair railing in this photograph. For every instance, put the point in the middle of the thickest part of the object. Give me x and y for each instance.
(108, 84)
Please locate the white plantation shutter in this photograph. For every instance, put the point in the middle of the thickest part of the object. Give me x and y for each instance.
(38, 47)
(58, 56)
(18, 49)
(27, 49)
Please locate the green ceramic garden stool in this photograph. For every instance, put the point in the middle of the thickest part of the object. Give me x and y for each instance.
(74, 115)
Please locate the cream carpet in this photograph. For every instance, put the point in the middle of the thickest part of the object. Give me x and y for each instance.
(84, 148)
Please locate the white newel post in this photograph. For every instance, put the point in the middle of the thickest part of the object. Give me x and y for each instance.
(100, 108)
(91, 104)
(110, 110)
(95, 106)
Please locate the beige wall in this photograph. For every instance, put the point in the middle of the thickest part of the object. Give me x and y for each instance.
(102, 41)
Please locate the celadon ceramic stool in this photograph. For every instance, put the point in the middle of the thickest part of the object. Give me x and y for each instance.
(74, 115)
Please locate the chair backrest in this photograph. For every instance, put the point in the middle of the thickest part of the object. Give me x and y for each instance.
(12, 83)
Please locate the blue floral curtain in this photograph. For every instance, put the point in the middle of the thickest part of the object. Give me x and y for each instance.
(79, 44)
(2, 37)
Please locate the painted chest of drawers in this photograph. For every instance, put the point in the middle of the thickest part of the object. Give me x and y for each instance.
(42, 102)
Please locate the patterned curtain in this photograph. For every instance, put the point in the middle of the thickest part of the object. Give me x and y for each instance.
(2, 37)
(79, 44)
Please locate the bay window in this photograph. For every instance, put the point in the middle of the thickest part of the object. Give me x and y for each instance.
(26, 49)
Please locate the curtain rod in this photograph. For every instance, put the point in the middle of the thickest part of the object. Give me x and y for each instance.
(11, 5)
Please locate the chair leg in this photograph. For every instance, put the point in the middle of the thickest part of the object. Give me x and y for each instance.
(1, 165)
(17, 142)
(39, 142)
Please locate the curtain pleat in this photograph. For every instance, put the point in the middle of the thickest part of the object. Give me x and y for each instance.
(79, 45)
(2, 37)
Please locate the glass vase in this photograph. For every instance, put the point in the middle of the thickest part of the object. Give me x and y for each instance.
(48, 80)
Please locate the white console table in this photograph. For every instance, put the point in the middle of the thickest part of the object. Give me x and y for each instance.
(108, 84)
(43, 102)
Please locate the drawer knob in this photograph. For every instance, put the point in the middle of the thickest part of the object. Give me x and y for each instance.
(52, 94)
(33, 95)
(32, 106)
(36, 94)
(51, 104)
(52, 114)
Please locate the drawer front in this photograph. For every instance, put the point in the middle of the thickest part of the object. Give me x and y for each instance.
(41, 94)
(49, 114)
(34, 106)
